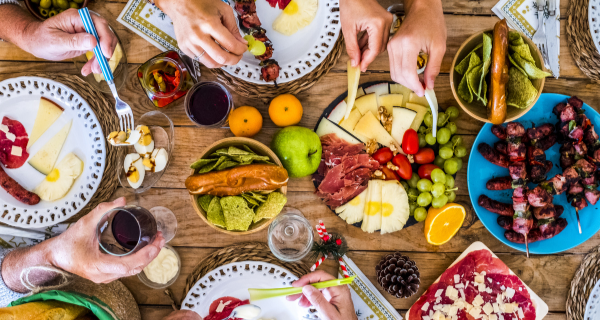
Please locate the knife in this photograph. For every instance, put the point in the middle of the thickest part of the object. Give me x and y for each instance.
(23, 233)
(552, 37)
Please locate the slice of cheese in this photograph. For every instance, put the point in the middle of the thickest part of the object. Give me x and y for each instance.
(47, 113)
(350, 122)
(402, 119)
(44, 160)
(371, 128)
(420, 110)
(414, 98)
(360, 92)
(338, 113)
(389, 101)
(353, 78)
(404, 91)
(379, 89)
(367, 103)
(326, 127)
(113, 63)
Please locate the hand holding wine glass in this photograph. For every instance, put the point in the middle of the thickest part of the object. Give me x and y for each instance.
(77, 250)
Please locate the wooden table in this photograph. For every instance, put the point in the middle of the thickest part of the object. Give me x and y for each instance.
(549, 276)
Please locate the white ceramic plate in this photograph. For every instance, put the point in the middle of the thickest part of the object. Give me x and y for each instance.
(235, 279)
(19, 100)
(297, 54)
(592, 308)
(594, 22)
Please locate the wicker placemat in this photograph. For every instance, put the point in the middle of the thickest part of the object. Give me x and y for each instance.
(580, 41)
(267, 92)
(251, 251)
(582, 284)
(109, 122)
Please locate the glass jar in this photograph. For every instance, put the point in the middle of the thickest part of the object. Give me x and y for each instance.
(165, 78)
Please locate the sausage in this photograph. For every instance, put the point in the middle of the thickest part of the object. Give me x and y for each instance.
(503, 209)
(500, 183)
(16, 190)
(237, 180)
(492, 155)
(499, 131)
(505, 222)
(496, 107)
(533, 236)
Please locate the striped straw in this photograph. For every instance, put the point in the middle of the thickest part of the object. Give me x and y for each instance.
(317, 264)
(88, 24)
(319, 231)
(343, 267)
(323, 227)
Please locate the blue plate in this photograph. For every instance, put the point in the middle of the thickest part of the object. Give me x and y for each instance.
(480, 171)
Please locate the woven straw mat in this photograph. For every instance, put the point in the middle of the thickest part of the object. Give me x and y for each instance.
(582, 284)
(580, 40)
(267, 92)
(251, 251)
(108, 121)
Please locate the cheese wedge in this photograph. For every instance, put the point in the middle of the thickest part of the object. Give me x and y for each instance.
(400, 89)
(44, 160)
(326, 127)
(372, 213)
(350, 122)
(47, 114)
(367, 103)
(395, 210)
(378, 89)
(338, 113)
(353, 211)
(420, 110)
(360, 92)
(353, 78)
(402, 119)
(371, 128)
(389, 101)
(414, 98)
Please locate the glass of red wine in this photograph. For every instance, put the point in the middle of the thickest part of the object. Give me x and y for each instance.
(208, 104)
(125, 230)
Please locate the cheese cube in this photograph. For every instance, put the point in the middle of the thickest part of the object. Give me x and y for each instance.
(520, 313)
(481, 287)
(16, 151)
(439, 292)
(451, 293)
(456, 278)
(508, 307)
(479, 279)
(478, 301)
(4, 128)
(475, 312)
(489, 279)
(496, 307)
(462, 294)
(438, 316)
(487, 308)
(425, 306)
(510, 293)
(452, 311)
(11, 136)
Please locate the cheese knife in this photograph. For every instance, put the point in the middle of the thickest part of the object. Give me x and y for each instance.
(552, 37)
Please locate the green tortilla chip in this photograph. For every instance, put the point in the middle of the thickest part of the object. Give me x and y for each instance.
(515, 39)
(245, 147)
(235, 151)
(204, 201)
(251, 201)
(212, 166)
(201, 163)
(521, 93)
(524, 51)
(272, 207)
(258, 196)
(514, 64)
(532, 71)
(487, 61)
(464, 66)
(237, 214)
(214, 214)
(473, 78)
(227, 164)
(463, 90)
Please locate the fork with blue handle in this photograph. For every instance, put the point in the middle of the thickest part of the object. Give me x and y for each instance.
(123, 109)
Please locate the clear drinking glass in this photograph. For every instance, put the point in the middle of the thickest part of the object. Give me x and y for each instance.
(208, 104)
(290, 235)
(125, 230)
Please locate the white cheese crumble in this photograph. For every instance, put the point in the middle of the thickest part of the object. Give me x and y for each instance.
(439, 292)
(222, 305)
(10, 136)
(4, 128)
(496, 307)
(425, 306)
(456, 278)
(488, 309)
(451, 293)
(478, 301)
(16, 151)
(520, 313)
(510, 293)
(479, 278)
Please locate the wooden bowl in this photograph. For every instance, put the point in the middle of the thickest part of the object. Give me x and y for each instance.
(260, 149)
(476, 109)
(33, 8)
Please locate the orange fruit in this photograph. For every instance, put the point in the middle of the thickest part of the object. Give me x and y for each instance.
(443, 223)
(285, 110)
(245, 121)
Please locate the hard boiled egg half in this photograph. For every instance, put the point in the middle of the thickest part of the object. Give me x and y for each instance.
(134, 169)
(157, 161)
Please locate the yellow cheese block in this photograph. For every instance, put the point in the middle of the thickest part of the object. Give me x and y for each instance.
(414, 98)
(400, 89)
(367, 103)
(350, 122)
(47, 113)
(402, 120)
(420, 110)
(389, 101)
(371, 128)
(44, 160)
(326, 127)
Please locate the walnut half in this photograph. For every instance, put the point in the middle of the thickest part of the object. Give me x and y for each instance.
(372, 146)
(386, 119)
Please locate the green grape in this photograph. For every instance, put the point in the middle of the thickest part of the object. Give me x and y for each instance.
(451, 196)
(439, 161)
(452, 165)
(420, 214)
(446, 153)
(439, 201)
(442, 119)
(449, 181)
(422, 130)
(457, 141)
(447, 145)
(443, 135)
(424, 185)
(438, 175)
(452, 112)
(428, 119)
(257, 48)
(460, 151)
(404, 185)
(249, 38)
(413, 193)
(452, 127)
(430, 139)
(424, 199)
(422, 141)
(412, 205)
(412, 182)
(437, 189)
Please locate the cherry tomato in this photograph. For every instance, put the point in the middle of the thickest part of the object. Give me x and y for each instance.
(404, 168)
(410, 142)
(425, 171)
(388, 173)
(383, 156)
(424, 156)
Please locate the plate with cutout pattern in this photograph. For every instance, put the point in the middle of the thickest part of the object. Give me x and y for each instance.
(19, 100)
(234, 280)
(594, 22)
(298, 54)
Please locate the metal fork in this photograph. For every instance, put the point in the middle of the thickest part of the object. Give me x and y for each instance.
(123, 109)
(539, 38)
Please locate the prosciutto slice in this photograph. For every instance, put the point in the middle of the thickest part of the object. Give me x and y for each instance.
(344, 171)
(9, 160)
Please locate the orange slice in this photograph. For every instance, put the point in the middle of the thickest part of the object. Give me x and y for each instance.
(443, 223)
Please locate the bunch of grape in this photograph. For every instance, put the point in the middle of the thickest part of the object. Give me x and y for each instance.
(424, 192)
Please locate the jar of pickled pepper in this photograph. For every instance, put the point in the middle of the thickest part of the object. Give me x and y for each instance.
(165, 78)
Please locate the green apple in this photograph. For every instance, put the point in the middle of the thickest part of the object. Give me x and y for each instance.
(299, 149)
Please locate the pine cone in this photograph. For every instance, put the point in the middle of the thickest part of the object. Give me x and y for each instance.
(398, 275)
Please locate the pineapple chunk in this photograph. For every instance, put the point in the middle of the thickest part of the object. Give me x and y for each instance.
(395, 210)
(372, 213)
(352, 212)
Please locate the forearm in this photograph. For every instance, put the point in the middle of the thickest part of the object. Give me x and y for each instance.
(20, 259)
(412, 4)
(15, 24)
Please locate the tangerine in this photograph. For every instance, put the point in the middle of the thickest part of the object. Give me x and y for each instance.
(245, 121)
(285, 110)
(443, 223)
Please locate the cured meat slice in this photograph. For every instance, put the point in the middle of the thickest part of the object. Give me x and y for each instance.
(230, 304)
(8, 159)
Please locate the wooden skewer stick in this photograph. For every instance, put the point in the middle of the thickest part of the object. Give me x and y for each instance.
(526, 246)
(578, 223)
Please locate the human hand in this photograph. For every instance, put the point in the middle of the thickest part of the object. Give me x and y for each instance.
(423, 29)
(77, 250)
(183, 315)
(63, 37)
(368, 16)
(200, 24)
(334, 303)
